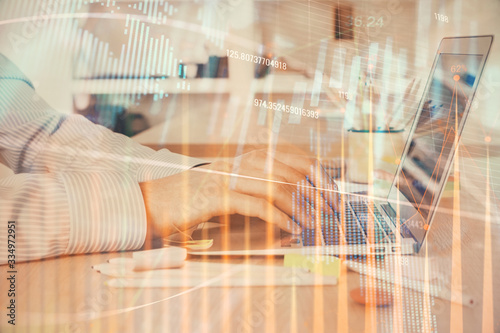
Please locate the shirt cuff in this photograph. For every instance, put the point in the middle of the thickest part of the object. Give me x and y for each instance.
(107, 212)
(164, 163)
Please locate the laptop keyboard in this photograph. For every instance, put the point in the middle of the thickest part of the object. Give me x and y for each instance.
(355, 228)
(380, 227)
(354, 234)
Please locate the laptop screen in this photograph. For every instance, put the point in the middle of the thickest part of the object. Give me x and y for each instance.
(451, 89)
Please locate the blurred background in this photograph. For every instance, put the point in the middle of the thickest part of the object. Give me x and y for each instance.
(199, 77)
(178, 74)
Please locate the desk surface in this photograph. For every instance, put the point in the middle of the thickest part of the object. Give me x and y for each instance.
(67, 295)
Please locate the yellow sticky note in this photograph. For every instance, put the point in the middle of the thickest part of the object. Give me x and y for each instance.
(323, 265)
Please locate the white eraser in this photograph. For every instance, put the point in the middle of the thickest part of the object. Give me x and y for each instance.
(167, 257)
(123, 263)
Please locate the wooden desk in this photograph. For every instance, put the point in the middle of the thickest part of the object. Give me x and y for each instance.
(67, 295)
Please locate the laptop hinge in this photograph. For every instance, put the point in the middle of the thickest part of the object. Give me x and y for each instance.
(388, 209)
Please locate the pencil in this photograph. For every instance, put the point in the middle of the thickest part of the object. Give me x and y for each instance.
(434, 290)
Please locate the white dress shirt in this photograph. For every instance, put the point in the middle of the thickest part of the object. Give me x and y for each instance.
(75, 188)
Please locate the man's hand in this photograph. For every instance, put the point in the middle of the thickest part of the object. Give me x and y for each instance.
(254, 184)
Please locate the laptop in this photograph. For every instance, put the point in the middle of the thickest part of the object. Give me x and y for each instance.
(399, 223)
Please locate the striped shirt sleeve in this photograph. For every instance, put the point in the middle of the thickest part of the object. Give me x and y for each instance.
(57, 214)
(35, 138)
(82, 178)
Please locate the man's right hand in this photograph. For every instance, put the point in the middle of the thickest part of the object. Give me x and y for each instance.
(254, 184)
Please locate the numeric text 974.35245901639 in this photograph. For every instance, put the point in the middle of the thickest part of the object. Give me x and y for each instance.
(286, 108)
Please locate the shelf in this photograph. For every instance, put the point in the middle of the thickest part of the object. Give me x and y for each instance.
(150, 86)
(280, 83)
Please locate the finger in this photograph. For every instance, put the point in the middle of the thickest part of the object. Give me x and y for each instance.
(276, 191)
(313, 172)
(326, 186)
(300, 171)
(321, 227)
(257, 207)
(300, 163)
(308, 211)
(293, 168)
(318, 178)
